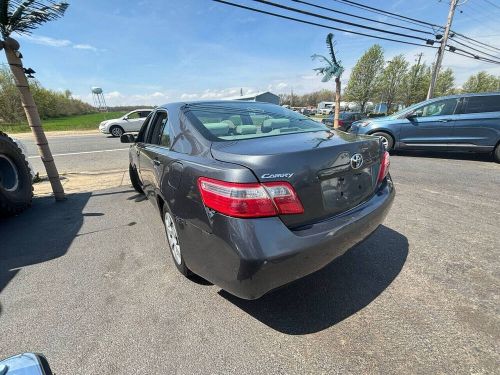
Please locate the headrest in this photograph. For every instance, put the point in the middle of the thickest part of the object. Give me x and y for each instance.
(275, 123)
(217, 128)
(246, 129)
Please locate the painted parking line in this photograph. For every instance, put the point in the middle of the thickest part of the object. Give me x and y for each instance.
(82, 152)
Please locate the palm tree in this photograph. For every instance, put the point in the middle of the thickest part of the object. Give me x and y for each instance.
(333, 69)
(22, 17)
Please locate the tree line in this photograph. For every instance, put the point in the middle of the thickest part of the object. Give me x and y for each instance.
(50, 103)
(373, 79)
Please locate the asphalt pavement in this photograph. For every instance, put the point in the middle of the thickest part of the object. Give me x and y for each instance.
(80, 152)
(90, 283)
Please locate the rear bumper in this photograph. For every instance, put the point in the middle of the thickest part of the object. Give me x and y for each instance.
(250, 257)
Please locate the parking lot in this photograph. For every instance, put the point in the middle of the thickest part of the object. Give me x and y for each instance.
(90, 283)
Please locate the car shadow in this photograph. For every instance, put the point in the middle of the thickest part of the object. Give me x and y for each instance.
(344, 287)
(41, 233)
(451, 155)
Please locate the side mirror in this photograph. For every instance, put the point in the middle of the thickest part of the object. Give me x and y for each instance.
(411, 115)
(26, 363)
(127, 138)
(125, 118)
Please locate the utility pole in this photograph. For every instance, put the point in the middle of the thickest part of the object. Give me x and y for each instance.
(442, 48)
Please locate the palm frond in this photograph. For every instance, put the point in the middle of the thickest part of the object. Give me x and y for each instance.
(4, 15)
(23, 16)
(330, 45)
(321, 57)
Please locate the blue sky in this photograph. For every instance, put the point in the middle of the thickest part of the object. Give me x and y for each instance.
(154, 51)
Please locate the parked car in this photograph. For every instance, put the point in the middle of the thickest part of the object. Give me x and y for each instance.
(345, 119)
(131, 122)
(467, 122)
(253, 207)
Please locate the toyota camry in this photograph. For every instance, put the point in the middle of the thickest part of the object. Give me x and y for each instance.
(254, 195)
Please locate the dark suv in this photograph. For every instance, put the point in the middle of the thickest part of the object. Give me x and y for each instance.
(467, 122)
(346, 119)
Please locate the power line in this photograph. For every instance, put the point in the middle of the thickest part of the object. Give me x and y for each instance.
(241, 6)
(320, 25)
(457, 36)
(304, 12)
(409, 19)
(476, 57)
(377, 10)
(475, 49)
(475, 41)
(360, 17)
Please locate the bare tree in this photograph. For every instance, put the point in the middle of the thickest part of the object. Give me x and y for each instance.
(333, 69)
(23, 17)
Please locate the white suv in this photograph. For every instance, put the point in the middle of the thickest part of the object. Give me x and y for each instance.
(131, 122)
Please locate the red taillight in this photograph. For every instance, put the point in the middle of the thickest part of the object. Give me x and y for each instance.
(384, 166)
(341, 123)
(249, 200)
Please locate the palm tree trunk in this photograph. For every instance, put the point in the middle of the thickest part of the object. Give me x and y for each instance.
(34, 122)
(337, 103)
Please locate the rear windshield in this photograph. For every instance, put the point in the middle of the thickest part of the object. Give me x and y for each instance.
(242, 120)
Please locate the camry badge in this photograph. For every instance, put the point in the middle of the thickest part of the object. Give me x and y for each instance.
(277, 175)
(356, 161)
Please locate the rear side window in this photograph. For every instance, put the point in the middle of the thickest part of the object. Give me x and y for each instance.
(243, 120)
(478, 104)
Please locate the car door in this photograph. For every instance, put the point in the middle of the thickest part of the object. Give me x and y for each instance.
(430, 126)
(477, 125)
(148, 159)
(139, 145)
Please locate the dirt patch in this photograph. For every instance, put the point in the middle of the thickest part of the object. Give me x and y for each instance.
(84, 181)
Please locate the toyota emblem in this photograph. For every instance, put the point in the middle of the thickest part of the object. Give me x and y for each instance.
(356, 161)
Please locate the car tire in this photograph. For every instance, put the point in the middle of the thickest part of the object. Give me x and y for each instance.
(16, 183)
(116, 131)
(387, 139)
(496, 153)
(174, 245)
(134, 179)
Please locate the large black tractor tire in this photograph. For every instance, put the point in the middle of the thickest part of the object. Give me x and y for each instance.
(16, 184)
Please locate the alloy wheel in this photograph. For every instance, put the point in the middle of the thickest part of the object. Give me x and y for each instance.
(117, 132)
(385, 142)
(173, 239)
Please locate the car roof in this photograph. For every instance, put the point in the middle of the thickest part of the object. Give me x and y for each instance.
(197, 102)
(463, 95)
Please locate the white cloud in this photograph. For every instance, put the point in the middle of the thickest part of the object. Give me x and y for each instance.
(113, 95)
(45, 40)
(85, 46)
(117, 98)
(53, 42)
(186, 96)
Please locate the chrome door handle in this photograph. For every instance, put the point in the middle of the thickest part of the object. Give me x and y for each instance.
(444, 120)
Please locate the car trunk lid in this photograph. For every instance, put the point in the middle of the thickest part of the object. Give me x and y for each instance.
(331, 172)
